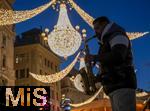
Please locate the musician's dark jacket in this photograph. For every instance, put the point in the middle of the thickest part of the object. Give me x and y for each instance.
(116, 60)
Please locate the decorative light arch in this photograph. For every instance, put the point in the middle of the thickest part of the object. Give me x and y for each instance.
(8, 17)
(51, 78)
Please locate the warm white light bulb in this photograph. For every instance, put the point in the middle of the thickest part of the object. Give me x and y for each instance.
(46, 30)
(84, 35)
(77, 27)
(45, 38)
(43, 34)
(83, 31)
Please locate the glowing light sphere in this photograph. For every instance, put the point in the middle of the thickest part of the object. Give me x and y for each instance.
(64, 40)
(83, 31)
(77, 27)
(46, 30)
(84, 35)
(43, 34)
(45, 38)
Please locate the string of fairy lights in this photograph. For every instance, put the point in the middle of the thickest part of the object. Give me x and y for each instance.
(51, 78)
(8, 17)
(86, 17)
(88, 100)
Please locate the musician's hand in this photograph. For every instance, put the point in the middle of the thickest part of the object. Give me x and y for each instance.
(89, 58)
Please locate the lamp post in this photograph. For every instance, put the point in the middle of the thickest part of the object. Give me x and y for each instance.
(65, 103)
(45, 34)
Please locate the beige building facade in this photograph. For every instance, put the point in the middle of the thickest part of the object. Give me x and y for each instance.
(32, 54)
(7, 36)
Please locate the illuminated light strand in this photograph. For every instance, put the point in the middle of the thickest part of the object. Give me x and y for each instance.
(77, 80)
(89, 19)
(88, 100)
(57, 76)
(77, 83)
(8, 17)
(135, 35)
(64, 40)
(142, 94)
(97, 93)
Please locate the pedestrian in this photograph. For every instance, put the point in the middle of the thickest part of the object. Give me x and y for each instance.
(117, 71)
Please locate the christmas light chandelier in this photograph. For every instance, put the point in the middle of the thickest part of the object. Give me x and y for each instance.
(64, 40)
(51, 78)
(8, 17)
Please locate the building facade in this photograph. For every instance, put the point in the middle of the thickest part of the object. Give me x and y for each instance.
(32, 54)
(7, 36)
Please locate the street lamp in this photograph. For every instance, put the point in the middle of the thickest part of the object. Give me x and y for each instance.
(45, 34)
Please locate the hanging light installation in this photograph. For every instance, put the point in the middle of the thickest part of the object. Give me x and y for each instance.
(86, 17)
(88, 100)
(135, 35)
(89, 20)
(64, 40)
(8, 17)
(51, 78)
(77, 81)
(141, 94)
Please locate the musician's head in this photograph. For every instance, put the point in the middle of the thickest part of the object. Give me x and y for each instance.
(99, 25)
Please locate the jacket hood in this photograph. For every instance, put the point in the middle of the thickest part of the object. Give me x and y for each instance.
(111, 28)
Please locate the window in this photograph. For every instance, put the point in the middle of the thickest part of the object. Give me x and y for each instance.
(4, 61)
(27, 72)
(21, 58)
(17, 59)
(51, 65)
(56, 68)
(57, 96)
(41, 60)
(52, 94)
(45, 61)
(53, 107)
(4, 82)
(4, 40)
(58, 85)
(40, 72)
(17, 74)
(22, 73)
(58, 109)
(48, 63)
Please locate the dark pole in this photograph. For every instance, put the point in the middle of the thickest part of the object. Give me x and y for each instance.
(89, 71)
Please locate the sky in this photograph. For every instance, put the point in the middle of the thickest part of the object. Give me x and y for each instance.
(133, 15)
